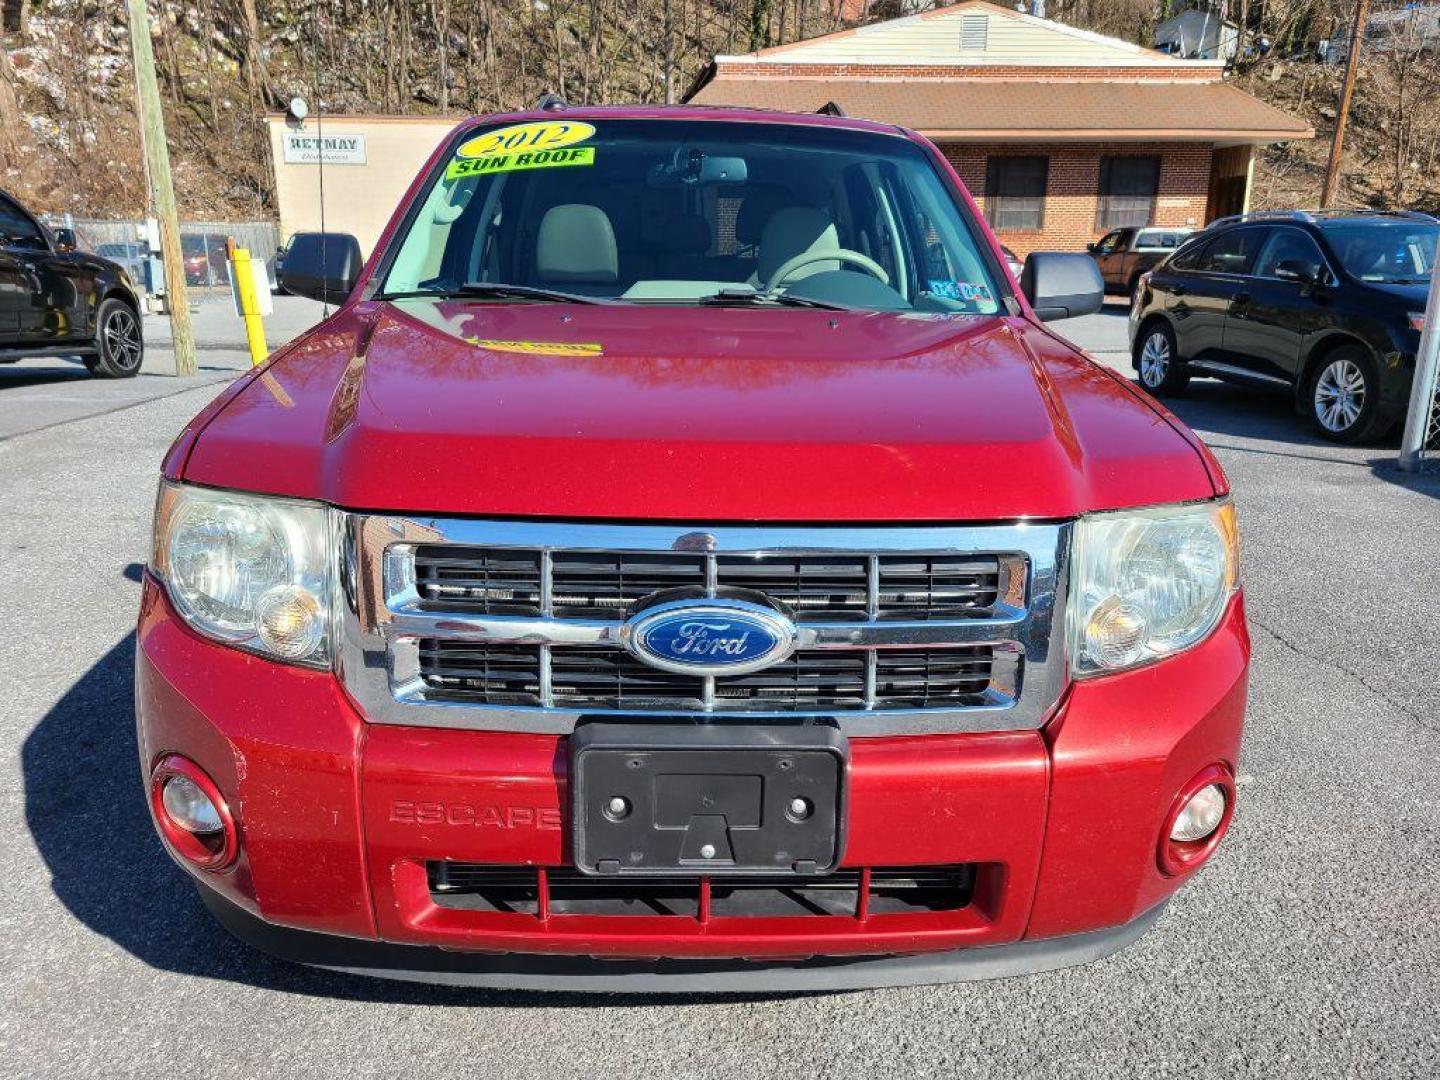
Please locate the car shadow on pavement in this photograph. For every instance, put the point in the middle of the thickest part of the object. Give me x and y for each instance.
(62, 371)
(1215, 408)
(85, 809)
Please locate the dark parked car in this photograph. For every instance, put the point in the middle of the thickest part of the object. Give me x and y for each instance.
(1326, 304)
(56, 301)
(1124, 254)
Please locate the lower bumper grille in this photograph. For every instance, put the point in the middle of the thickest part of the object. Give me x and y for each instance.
(528, 890)
(609, 679)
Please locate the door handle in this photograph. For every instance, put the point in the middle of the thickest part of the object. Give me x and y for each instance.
(1177, 290)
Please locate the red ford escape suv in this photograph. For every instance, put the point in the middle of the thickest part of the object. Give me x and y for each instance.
(687, 561)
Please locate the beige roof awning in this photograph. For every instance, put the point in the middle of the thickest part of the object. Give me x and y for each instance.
(1003, 109)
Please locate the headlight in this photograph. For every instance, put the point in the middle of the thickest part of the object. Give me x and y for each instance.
(1146, 584)
(248, 570)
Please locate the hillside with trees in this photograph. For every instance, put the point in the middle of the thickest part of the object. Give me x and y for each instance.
(69, 139)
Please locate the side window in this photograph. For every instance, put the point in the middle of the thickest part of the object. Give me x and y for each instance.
(1289, 245)
(1110, 243)
(16, 226)
(1188, 257)
(1015, 192)
(1232, 252)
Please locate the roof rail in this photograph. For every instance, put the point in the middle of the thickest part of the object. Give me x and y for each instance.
(551, 102)
(1263, 215)
(1311, 215)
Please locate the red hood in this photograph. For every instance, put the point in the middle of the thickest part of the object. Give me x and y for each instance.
(694, 414)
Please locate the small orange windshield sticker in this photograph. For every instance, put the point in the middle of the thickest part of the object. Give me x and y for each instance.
(542, 348)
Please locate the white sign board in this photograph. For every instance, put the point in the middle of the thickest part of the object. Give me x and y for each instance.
(306, 148)
(260, 278)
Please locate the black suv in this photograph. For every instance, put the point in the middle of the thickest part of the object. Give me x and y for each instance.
(1327, 304)
(56, 301)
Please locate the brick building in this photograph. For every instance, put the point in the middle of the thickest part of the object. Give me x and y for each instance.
(1059, 133)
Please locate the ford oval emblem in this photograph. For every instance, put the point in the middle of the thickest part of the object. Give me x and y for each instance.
(709, 637)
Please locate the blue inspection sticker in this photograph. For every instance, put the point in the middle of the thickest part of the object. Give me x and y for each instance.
(966, 291)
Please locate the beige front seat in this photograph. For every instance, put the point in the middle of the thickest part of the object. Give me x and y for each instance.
(793, 231)
(575, 249)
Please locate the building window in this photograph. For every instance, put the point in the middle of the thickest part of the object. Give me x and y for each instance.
(1015, 193)
(1128, 186)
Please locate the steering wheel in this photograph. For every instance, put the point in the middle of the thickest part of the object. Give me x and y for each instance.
(805, 258)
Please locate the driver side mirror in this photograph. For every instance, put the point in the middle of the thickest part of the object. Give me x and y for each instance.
(65, 240)
(322, 266)
(1092, 247)
(1062, 285)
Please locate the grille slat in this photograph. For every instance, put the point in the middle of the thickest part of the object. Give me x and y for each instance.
(481, 581)
(893, 890)
(928, 587)
(603, 678)
(608, 585)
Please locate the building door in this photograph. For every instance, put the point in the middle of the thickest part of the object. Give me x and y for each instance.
(1229, 181)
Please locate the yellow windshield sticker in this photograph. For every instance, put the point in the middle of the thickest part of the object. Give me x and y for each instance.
(541, 348)
(536, 135)
(525, 159)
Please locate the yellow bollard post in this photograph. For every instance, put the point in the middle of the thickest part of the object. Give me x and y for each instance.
(249, 305)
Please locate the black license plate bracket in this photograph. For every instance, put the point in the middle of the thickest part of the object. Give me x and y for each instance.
(707, 799)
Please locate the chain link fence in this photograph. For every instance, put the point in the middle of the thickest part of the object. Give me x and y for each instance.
(202, 247)
(1428, 450)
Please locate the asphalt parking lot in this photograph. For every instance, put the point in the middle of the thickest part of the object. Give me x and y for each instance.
(1309, 948)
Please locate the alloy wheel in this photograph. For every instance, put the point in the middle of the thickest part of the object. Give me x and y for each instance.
(1155, 359)
(1340, 395)
(121, 337)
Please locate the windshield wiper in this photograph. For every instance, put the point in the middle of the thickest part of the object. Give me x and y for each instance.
(489, 290)
(750, 298)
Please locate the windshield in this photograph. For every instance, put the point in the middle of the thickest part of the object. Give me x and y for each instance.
(685, 212)
(1384, 251)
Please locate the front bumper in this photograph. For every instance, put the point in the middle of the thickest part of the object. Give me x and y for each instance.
(528, 971)
(339, 820)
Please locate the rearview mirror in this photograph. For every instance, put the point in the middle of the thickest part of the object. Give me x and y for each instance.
(1062, 284)
(695, 167)
(322, 266)
(65, 240)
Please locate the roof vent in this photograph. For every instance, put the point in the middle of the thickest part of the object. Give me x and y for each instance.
(974, 32)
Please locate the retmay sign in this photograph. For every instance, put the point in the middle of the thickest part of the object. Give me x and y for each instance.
(305, 149)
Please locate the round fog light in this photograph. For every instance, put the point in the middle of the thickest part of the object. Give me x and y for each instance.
(1197, 821)
(189, 807)
(1200, 816)
(192, 815)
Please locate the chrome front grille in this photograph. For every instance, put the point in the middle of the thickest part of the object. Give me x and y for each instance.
(518, 626)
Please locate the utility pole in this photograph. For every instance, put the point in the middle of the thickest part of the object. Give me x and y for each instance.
(1347, 90)
(162, 189)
